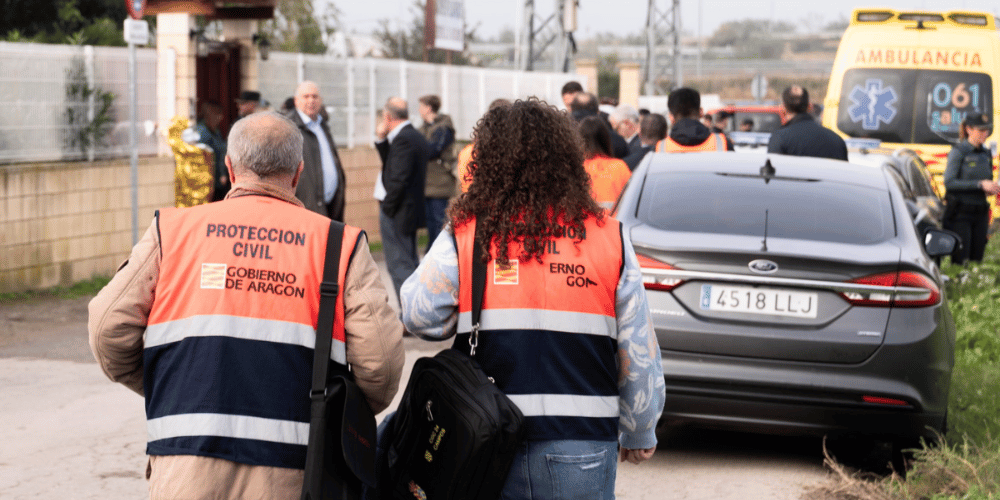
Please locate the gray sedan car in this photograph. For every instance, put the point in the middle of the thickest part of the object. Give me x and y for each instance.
(791, 295)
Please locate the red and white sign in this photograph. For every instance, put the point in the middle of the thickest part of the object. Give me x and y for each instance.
(135, 8)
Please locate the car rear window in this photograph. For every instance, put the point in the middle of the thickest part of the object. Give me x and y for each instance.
(762, 120)
(807, 210)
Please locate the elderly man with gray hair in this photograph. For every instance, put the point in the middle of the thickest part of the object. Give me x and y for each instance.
(212, 320)
(625, 121)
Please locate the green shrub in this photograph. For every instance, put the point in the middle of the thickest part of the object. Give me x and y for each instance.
(974, 295)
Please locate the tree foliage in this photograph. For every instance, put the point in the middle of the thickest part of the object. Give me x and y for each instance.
(88, 111)
(752, 38)
(407, 42)
(296, 27)
(82, 22)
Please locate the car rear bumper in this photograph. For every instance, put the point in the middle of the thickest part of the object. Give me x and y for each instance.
(790, 398)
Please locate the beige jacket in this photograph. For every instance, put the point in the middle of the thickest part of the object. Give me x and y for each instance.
(117, 323)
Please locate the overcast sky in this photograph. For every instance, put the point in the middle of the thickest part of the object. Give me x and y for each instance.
(629, 16)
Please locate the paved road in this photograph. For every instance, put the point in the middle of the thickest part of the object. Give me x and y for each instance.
(69, 433)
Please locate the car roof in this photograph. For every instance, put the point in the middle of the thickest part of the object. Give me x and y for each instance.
(870, 158)
(785, 166)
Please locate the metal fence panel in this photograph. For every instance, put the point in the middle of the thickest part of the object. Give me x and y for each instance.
(354, 90)
(36, 102)
(278, 77)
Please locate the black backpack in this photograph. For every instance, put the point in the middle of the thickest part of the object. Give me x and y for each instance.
(455, 433)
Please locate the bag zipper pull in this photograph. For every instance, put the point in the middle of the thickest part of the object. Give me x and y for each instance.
(430, 416)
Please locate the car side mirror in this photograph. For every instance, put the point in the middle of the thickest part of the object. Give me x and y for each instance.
(941, 242)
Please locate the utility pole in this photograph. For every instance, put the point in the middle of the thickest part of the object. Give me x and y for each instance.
(663, 33)
(538, 33)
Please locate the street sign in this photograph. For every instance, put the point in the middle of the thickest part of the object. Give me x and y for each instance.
(135, 8)
(136, 32)
(758, 87)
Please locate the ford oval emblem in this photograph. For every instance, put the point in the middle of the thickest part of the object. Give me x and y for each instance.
(763, 266)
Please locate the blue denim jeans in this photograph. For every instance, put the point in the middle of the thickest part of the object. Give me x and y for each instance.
(557, 470)
(542, 470)
(435, 211)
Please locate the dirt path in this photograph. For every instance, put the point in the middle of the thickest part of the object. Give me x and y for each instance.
(70, 433)
(45, 328)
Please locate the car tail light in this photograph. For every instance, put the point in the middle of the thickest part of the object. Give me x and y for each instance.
(879, 400)
(877, 298)
(653, 281)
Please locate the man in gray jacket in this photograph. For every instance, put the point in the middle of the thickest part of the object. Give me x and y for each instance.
(321, 188)
(440, 184)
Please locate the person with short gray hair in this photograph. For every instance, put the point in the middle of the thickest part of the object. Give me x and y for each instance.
(625, 121)
(275, 149)
(212, 321)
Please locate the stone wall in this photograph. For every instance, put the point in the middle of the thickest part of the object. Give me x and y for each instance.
(61, 223)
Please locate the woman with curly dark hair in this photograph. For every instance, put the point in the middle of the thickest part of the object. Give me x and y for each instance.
(565, 329)
(608, 175)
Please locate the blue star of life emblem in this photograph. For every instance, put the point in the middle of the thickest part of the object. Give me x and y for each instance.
(872, 104)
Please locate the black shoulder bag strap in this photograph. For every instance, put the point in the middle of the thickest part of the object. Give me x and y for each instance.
(329, 290)
(318, 483)
(478, 287)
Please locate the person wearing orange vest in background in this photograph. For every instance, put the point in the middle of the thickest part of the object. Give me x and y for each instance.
(608, 175)
(465, 155)
(213, 320)
(566, 330)
(687, 133)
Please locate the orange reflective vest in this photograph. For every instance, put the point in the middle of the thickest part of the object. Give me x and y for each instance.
(227, 357)
(548, 331)
(669, 145)
(608, 177)
(464, 157)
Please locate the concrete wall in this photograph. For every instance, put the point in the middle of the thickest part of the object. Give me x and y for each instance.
(61, 223)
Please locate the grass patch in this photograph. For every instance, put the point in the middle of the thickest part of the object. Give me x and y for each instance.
(86, 288)
(966, 465)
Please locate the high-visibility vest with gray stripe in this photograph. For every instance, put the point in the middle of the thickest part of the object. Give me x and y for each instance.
(549, 334)
(228, 348)
(716, 142)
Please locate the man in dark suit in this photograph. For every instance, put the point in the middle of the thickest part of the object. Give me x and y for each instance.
(625, 121)
(652, 129)
(321, 187)
(400, 188)
(801, 135)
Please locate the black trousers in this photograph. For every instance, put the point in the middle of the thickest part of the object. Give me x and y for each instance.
(972, 224)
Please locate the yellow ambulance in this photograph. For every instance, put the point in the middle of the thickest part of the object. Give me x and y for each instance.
(909, 78)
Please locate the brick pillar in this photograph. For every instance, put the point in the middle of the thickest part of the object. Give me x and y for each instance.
(629, 83)
(588, 69)
(175, 73)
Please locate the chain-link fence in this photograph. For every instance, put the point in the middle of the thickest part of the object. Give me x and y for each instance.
(70, 102)
(353, 90)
